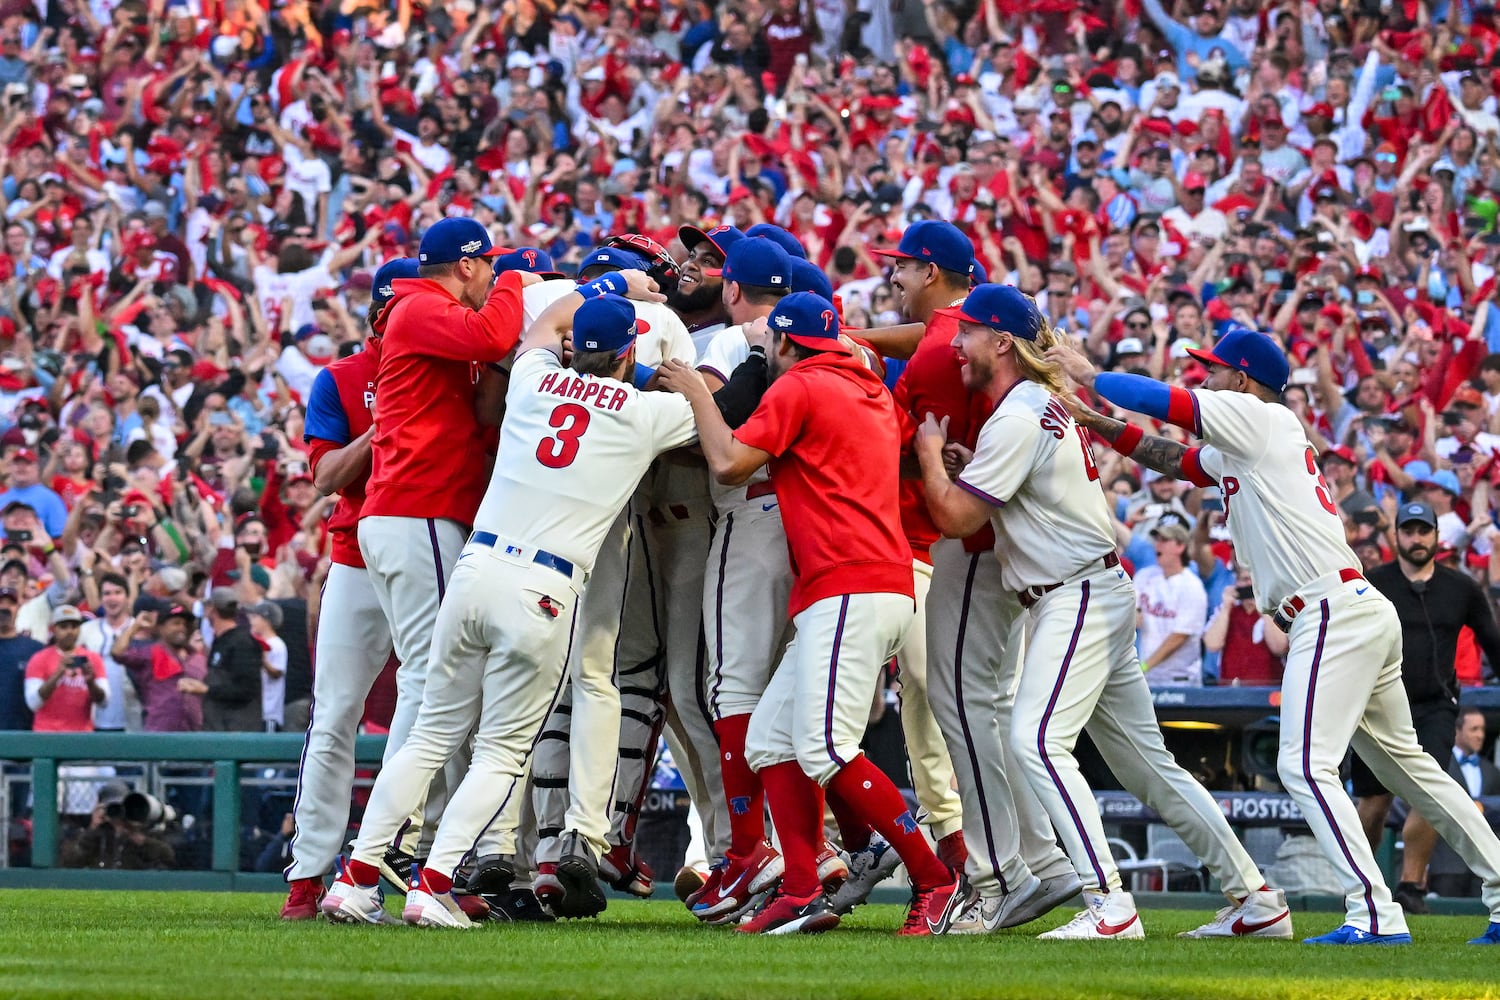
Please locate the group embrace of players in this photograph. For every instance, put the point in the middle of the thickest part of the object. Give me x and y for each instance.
(679, 499)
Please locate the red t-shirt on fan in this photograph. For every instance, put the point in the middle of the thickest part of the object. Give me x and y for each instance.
(833, 433)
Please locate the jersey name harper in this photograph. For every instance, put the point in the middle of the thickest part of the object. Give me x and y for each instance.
(586, 390)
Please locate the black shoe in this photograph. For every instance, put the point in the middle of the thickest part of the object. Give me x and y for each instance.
(578, 871)
(518, 905)
(491, 876)
(396, 868)
(1412, 897)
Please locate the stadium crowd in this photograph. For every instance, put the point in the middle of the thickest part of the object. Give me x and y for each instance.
(196, 196)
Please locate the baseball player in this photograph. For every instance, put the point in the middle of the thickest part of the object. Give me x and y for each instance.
(1033, 477)
(698, 298)
(574, 444)
(429, 451)
(828, 428)
(1013, 864)
(1285, 527)
(353, 641)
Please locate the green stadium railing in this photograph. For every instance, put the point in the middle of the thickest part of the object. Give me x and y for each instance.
(224, 753)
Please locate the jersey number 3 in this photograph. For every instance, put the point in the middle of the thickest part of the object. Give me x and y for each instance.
(558, 451)
(1324, 497)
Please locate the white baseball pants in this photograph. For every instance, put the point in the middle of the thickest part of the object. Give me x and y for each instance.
(927, 754)
(748, 584)
(1081, 670)
(817, 705)
(499, 649)
(1333, 695)
(976, 640)
(353, 644)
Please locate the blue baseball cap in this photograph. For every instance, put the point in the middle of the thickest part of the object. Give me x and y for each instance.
(1251, 352)
(1000, 307)
(531, 259)
(780, 237)
(979, 275)
(810, 320)
(617, 258)
(392, 270)
(1419, 512)
(448, 240)
(722, 237)
(761, 263)
(606, 323)
(935, 242)
(809, 277)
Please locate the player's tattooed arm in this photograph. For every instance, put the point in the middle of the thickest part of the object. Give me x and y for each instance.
(1159, 453)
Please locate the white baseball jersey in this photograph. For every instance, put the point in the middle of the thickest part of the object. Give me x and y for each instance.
(1281, 516)
(572, 450)
(704, 336)
(1171, 605)
(726, 352)
(660, 332)
(1034, 465)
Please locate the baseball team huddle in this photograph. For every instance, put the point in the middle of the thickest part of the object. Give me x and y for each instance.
(676, 498)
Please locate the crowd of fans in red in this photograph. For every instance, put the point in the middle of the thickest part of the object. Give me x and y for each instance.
(196, 194)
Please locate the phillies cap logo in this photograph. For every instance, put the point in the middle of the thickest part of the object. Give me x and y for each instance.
(829, 317)
(716, 230)
(472, 246)
(530, 257)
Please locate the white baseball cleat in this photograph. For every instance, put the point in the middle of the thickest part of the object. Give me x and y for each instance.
(987, 914)
(1106, 916)
(347, 903)
(1053, 892)
(1263, 913)
(425, 909)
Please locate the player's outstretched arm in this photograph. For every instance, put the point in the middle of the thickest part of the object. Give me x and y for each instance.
(957, 512)
(731, 461)
(1170, 458)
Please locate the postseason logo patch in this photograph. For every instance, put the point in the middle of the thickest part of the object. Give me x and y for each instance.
(783, 321)
(472, 246)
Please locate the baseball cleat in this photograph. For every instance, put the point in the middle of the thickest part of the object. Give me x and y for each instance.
(1491, 934)
(688, 881)
(347, 903)
(785, 915)
(741, 880)
(396, 868)
(1054, 891)
(1263, 913)
(625, 872)
(519, 905)
(546, 886)
(578, 874)
(475, 907)
(428, 909)
(1106, 916)
(710, 884)
(867, 869)
(931, 910)
(987, 914)
(302, 899)
(491, 876)
(833, 871)
(1349, 934)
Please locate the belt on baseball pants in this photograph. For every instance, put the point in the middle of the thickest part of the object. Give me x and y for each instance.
(542, 558)
(1031, 595)
(764, 488)
(1292, 606)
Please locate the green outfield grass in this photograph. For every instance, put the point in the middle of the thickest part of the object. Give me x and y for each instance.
(177, 944)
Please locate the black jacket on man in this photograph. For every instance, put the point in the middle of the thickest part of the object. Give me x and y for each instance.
(1432, 613)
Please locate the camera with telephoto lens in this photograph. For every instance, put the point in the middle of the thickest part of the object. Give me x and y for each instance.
(142, 809)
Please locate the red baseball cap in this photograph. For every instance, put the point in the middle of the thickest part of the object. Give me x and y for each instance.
(1319, 110)
(1342, 452)
(23, 455)
(1467, 396)
(1194, 180)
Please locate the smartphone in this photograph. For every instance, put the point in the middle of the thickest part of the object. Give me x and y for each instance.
(79, 661)
(130, 510)
(19, 536)
(1451, 419)
(1364, 298)
(1213, 503)
(220, 418)
(1271, 276)
(1244, 593)
(1305, 376)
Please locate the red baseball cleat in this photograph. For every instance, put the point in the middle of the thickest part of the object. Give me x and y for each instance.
(302, 899)
(623, 871)
(785, 915)
(833, 871)
(743, 879)
(930, 911)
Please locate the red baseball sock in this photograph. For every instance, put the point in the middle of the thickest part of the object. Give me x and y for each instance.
(742, 787)
(435, 883)
(797, 810)
(361, 873)
(869, 794)
(853, 831)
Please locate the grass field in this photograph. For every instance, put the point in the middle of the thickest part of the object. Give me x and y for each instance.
(171, 944)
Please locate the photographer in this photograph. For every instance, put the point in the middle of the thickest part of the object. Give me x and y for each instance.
(64, 682)
(1434, 603)
(118, 836)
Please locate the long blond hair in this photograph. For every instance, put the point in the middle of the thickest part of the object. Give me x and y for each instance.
(1032, 363)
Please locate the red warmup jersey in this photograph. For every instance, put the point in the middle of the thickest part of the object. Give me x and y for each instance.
(349, 385)
(430, 455)
(933, 382)
(834, 436)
